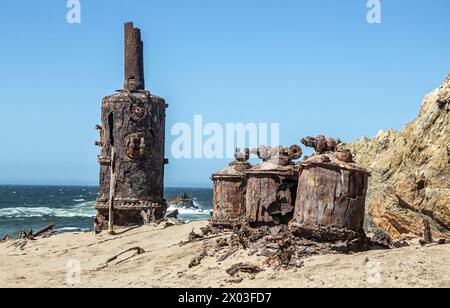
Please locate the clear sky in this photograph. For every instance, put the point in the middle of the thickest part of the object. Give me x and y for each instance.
(313, 66)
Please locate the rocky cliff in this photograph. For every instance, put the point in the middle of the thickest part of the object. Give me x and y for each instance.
(411, 170)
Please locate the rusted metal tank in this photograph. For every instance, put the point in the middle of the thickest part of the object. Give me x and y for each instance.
(132, 142)
(230, 187)
(331, 196)
(271, 187)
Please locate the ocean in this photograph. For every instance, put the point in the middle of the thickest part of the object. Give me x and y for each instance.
(71, 208)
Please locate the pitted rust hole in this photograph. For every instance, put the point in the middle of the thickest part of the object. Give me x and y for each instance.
(111, 128)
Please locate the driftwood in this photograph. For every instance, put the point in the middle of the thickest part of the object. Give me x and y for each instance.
(386, 242)
(194, 236)
(198, 259)
(222, 242)
(139, 251)
(24, 236)
(44, 230)
(236, 280)
(112, 192)
(169, 222)
(148, 217)
(19, 244)
(243, 267)
(49, 234)
(182, 243)
(228, 254)
(427, 235)
(281, 247)
(6, 238)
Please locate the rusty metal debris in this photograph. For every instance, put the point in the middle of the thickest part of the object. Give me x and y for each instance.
(245, 268)
(138, 250)
(320, 144)
(194, 236)
(322, 197)
(292, 209)
(198, 259)
(281, 248)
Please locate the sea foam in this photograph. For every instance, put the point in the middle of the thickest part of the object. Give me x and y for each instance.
(85, 209)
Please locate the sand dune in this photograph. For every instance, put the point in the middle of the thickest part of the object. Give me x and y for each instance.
(78, 260)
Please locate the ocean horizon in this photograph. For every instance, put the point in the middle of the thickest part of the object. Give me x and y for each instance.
(71, 207)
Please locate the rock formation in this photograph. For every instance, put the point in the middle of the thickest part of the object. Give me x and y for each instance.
(182, 201)
(411, 170)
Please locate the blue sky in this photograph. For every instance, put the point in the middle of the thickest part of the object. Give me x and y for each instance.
(312, 66)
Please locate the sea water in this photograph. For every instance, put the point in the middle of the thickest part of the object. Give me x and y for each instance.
(71, 208)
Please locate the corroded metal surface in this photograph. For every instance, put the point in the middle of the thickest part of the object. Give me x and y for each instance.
(320, 144)
(272, 185)
(133, 122)
(134, 59)
(331, 195)
(230, 187)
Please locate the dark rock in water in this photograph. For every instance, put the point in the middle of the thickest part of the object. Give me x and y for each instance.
(183, 200)
(174, 214)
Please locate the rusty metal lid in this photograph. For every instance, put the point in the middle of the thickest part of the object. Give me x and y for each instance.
(274, 167)
(235, 169)
(333, 160)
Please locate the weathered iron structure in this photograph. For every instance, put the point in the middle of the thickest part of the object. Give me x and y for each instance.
(330, 204)
(320, 144)
(271, 186)
(132, 142)
(230, 188)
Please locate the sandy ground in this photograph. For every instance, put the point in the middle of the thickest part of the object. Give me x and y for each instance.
(56, 262)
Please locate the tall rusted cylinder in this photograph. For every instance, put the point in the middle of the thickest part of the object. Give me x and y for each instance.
(271, 191)
(331, 196)
(230, 187)
(133, 123)
(134, 59)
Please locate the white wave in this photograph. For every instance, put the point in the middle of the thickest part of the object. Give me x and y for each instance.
(85, 209)
(71, 229)
(188, 211)
(79, 200)
(197, 205)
